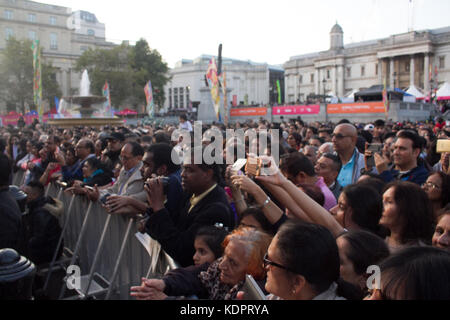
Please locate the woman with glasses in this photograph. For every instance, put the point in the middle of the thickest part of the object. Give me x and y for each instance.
(415, 273)
(437, 188)
(221, 280)
(302, 263)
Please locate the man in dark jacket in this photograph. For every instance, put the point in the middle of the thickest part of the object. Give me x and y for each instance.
(10, 215)
(204, 203)
(42, 229)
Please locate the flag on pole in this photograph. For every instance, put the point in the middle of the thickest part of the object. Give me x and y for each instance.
(213, 82)
(150, 102)
(107, 95)
(279, 91)
(37, 79)
(225, 100)
(385, 99)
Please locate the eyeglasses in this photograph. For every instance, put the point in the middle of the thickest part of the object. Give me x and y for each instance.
(339, 136)
(267, 262)
(122, 158)
(431, 185)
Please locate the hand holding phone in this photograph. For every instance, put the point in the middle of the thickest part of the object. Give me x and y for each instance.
(251, 289)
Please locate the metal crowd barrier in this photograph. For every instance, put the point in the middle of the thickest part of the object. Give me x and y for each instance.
(104, 247)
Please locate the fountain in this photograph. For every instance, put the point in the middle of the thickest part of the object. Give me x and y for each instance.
(85, 109)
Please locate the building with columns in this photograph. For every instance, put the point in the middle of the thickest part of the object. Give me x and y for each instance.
(248, 83)
(64, 35)
(403, 60)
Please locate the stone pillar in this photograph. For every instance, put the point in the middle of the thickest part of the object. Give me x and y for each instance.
(426, 73)
(380, 71)
(412, 72)
(341, 86)
(391, 74)
(64, 83)
(333, 77)
(316, 82)
(296, 84)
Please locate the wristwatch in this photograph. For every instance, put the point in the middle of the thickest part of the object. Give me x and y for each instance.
(265, 203)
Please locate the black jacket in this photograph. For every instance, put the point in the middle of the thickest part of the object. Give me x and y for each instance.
(42, 229)
(10, 221)
(177, 237)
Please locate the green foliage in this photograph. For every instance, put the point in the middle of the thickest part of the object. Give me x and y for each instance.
(127, 70)
(16, 76)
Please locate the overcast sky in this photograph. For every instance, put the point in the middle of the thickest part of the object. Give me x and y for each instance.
(269, 31)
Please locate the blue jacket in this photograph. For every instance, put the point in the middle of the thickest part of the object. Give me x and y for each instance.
(417, 175)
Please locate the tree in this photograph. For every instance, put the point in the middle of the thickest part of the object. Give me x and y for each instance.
(127, 70)
(16, 76)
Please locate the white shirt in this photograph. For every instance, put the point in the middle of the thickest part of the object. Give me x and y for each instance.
(186, 126)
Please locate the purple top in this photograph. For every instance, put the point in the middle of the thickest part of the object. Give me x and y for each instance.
(330, 200)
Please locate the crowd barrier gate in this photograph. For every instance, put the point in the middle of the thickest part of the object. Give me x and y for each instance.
(110, 257)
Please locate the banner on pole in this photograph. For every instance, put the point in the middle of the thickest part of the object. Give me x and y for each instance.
(107, 95)
(37, 79)
(150, 102)
(213, 83)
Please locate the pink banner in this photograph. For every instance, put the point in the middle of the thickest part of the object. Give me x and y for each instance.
(295, 110)
(13, 120)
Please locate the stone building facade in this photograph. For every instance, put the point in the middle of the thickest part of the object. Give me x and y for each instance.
(248, 83)
(402, 59)
(64, 35)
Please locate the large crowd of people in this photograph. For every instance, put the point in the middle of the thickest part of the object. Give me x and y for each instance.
(343, 197)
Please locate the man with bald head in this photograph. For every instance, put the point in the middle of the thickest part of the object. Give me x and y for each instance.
(344, 140)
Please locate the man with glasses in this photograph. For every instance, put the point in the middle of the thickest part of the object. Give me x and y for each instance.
(129, 183)
(84, 150)
(344, 140)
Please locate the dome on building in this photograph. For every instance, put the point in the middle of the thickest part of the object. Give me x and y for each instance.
(336, 29)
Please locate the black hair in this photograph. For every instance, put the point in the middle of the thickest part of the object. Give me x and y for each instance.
(162, 137)
(183, 116)
(445, 188)
(416, 273)
(259, 216)
(94, 163)
(314, 130)
(379, 123)
(374, 181)
(411, 135)
(366, 205)
(213, 237)
(414, 211)
(5, 173)
(37, 187)
(389, 135)
(216, 168)
(314, 193)
(136, 149)
(343, 121)
(310, 250)
(364, 249)
(297, 136)
(162, 154)
(337, 163)
(90, 145)
(296, 162)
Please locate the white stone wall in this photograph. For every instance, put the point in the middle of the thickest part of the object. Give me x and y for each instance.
(242, 80)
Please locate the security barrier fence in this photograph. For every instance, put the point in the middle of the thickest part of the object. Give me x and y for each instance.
(104, 248)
